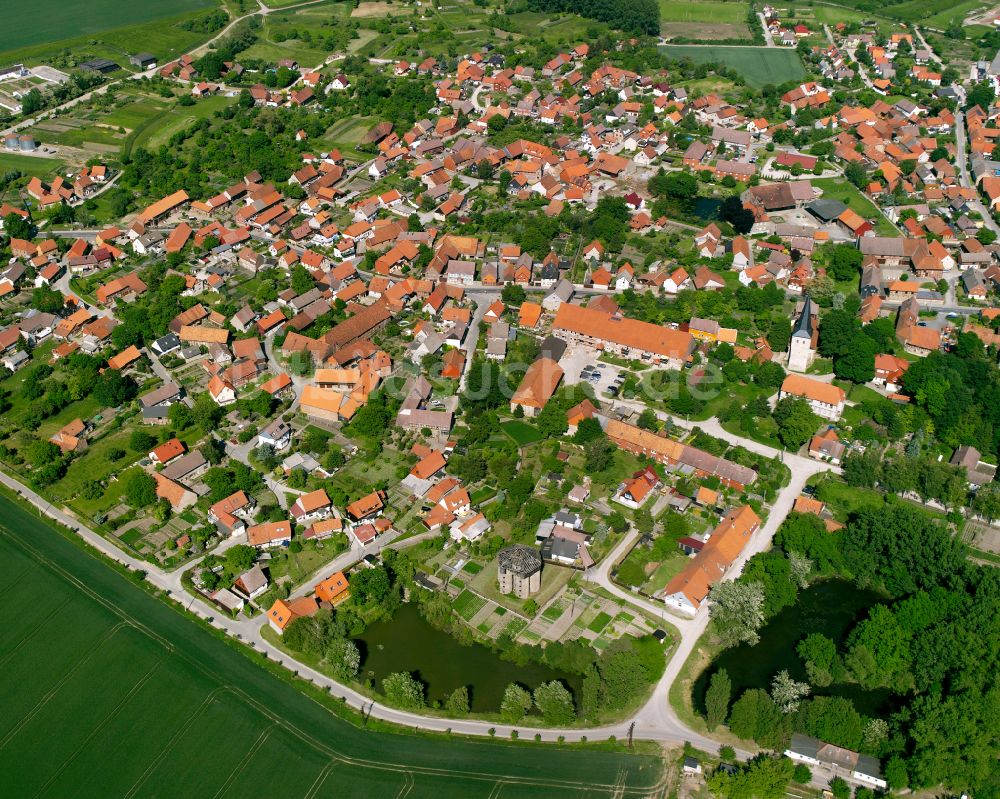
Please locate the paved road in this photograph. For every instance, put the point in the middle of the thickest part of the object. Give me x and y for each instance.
(655, 721)
(657, 717)
(482, 302)
(927, 47)
(767, 31)
(249, 631)
(961, 161)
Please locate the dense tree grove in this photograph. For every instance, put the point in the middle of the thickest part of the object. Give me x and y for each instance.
(933, 643)
(960, 392)
(634, 16)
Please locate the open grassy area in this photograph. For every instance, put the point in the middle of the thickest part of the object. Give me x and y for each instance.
(838, 189)
(843, 500)
(552, 28)
(710, 11)
(176, 119)
(522, 432)
(759, 65)
(269, 48)
(831, 15)
(89, 653)
(948, 13)
(347, 134)
(31, 165)
(704, 20)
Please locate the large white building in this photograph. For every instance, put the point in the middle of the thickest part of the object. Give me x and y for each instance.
(814, 752)
(825, 399)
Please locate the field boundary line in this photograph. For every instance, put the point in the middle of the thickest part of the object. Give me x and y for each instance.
(407, 786)
(321, 778)
(115, 711)
(13, 583)
(47, 696)
(254, 748)
(172, 742)
(69, 577)
(38, 628)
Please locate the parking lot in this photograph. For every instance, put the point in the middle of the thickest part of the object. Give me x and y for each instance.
(581, 365)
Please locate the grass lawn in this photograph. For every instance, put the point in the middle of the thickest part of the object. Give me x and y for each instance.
(935, 13)
(267, 49)
(759, 65)
(90, 653)
(838, 189)
(131, 115)
(472, 567)
(161, 127)
(480, 495)
(551, 27)
(94, 464)
(522, 432)
(843, 500)
(357, 477)
(665, 572)
(131, 537)
(859, 393)
(300, 565)
(485, 583)
(832, 14)
(347, 134)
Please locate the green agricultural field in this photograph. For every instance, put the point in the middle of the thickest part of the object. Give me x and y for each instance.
(44, 21)
(468, 604)
(709, 11)
(599, 622)
(146, 701)
(759, 65)
(953, 12)
(704, 20)
(30, 165)
(135, 113)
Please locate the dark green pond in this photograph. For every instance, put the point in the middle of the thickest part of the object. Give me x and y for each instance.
(407, 642)
(706, 208)
(829, 607)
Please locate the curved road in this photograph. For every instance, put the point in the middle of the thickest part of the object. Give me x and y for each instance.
(655, 721)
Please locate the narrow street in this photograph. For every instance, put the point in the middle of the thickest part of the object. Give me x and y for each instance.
(768, 37)
(961, 161)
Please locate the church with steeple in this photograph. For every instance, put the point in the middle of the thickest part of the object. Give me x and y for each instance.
(805, 335)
